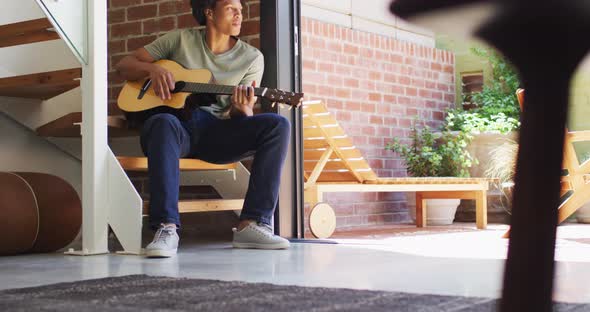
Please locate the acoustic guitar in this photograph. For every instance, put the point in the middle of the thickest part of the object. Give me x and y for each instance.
(138, 96)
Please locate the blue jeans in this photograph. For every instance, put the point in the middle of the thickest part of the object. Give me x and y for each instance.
(165, 139)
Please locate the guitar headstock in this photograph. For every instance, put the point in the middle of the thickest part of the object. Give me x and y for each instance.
(284, 97)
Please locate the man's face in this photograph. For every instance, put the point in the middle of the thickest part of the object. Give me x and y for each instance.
(227, 17)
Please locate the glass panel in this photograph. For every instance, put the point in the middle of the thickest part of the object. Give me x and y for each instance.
(71, 18)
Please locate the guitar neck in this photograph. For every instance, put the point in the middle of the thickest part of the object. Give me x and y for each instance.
(273, 95)
(193, 87)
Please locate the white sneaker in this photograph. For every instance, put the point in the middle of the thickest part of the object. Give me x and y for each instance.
(258, 236)
(165, 243)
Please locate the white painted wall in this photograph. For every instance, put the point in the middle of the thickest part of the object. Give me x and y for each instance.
(375, 18)
(36, 58)
(22, 150)
(34, 113)
(14, 11)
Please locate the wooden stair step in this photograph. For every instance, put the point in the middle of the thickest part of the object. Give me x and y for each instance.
(41, 85)
(186, 164)
(203, 205)
(37, 30)
(68, 126)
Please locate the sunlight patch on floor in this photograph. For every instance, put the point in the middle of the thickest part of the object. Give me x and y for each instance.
(573, 244)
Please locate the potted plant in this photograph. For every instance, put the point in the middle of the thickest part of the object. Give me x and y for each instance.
(487, 133)
(442, 154)
(494, 124)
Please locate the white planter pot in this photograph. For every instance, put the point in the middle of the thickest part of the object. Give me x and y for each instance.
(438, 211)
(481, 146)
(583, 213)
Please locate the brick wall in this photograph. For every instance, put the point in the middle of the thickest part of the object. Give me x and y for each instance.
(135, 23)
(375, 85)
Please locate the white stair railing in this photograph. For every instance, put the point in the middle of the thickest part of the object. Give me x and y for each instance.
(108, 197)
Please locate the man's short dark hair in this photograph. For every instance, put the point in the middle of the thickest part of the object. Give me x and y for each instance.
(199, 7)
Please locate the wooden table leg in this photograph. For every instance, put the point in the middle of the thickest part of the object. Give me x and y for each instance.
(420, 210)
(481, 209)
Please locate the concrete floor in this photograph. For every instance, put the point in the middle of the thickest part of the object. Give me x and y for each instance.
(466, 263)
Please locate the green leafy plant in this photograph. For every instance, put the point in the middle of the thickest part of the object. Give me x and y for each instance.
(497, 106)
(499, 96)
(431, 155)
(473, 122)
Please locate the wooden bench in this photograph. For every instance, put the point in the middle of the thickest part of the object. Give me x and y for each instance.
(333, 164)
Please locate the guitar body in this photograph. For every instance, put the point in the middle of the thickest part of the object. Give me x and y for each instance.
(128, 98)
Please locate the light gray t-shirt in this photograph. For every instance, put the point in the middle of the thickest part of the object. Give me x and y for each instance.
(243, 64)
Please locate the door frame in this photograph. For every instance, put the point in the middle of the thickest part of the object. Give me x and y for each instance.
(280, 22)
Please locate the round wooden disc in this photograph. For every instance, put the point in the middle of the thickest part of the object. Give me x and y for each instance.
(60, 211)
(18, 211)
(322, 220)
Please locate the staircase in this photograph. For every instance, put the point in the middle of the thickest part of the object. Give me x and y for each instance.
(37, 30)
(26, 46)
(41, 88)
(50, 103)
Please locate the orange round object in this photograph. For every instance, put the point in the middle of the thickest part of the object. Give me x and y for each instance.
(60, 211)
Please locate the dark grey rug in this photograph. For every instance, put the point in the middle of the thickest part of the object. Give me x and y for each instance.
(143, 293)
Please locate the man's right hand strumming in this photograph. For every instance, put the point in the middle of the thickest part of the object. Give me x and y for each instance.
(139, 65)
(162, 82)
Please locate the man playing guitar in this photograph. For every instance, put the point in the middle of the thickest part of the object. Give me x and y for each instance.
(224, 132)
